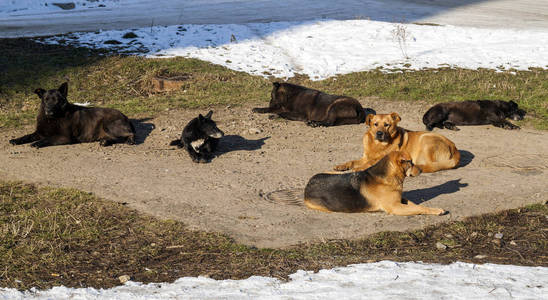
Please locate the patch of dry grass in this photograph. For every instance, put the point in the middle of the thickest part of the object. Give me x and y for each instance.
(52, 237)
(124, 82)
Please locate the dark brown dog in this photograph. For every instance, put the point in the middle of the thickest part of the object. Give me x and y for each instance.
(377, 188)
(479, 112)
(430, 151)
(60, 122)
(298, 103)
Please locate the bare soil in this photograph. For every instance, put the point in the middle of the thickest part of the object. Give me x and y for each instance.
(500, 169)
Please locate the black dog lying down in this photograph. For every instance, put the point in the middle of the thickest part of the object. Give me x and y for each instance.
(60, 122)
(200, 138)
(299, 103)
(478, 112)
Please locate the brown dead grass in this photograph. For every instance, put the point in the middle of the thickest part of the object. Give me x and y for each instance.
(52, 237)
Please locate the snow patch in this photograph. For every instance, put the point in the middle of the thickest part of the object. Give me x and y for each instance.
(321, 49)
(382, 280)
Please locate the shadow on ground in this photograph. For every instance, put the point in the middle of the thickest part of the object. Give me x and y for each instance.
(143, 129)
(231, 143)
(422, 195)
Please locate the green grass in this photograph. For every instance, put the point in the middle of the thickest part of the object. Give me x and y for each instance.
(51, 236)
(124, 82)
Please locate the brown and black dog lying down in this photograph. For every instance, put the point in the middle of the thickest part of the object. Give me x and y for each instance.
(473, 112)
(378, 188)
(60, 122)
(298, 103)
(431, 152)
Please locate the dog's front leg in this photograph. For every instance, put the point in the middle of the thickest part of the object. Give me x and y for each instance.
(506, 125)
(265, 110)
(51, 141)
(195, 156)
(29, 138)
(408, 208)
(353, 165)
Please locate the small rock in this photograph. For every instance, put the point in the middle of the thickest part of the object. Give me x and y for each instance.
(65, 6)
(254, 130)
(480, 256)
(440, 246)
(474, 234)
(490, 234)
(124, 278)
(499, 236)
(129, 35)
(449, 236)
(112, 42)
(513, 243)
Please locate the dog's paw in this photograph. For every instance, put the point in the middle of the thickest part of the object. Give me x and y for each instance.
(37, 144)
(203, 160)
(343, 167)
(313, 124)
(105, 143)
(442, 212)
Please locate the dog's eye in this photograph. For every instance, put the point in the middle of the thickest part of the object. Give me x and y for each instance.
(376, 124)
(386, 124)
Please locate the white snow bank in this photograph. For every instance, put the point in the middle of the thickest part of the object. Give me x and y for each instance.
(382, 280)
(14, 7)
(321, 49)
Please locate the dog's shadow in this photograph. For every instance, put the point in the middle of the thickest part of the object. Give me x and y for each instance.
(142, 129)
(466, 158)
(421, 195)
(229, 143)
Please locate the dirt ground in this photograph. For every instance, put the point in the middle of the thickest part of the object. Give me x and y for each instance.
(500, 169)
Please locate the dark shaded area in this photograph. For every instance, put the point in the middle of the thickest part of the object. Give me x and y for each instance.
(422, 195)
(143, 129)
(94, 242)
(229, 143)
(48, 64)
(466, 158)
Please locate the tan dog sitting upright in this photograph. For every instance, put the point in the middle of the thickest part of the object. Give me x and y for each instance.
(429, 151)
(378, 188)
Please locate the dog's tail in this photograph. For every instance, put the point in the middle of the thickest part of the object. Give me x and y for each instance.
(176, 142)
(286, 196)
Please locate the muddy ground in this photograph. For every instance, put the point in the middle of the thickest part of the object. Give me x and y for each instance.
(500, 169)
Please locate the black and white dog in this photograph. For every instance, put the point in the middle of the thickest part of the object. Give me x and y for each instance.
(200, 138)
(473, 112)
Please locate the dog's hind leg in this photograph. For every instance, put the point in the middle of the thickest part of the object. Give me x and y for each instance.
(118, 131)
(449, 125)
(408, 208)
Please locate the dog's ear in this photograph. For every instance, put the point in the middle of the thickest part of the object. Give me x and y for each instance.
(395, 117)
(368, 119)
(513, 104)
(276, 84)
(209, 114)
(40, 92)
(200, 118)
(63, 89)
